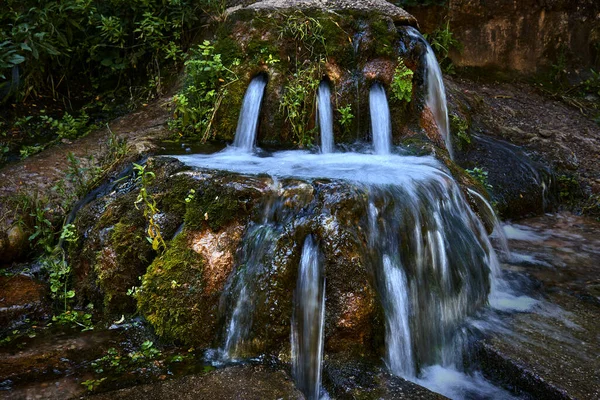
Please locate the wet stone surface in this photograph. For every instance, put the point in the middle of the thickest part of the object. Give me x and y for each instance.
(553, 352)
(238, 382)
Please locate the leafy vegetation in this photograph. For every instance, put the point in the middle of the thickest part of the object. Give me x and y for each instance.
(460, 128)
(401, 85)
(442, 41)
(346, 118)
(101, 44)
(196, 105)
(481, 175)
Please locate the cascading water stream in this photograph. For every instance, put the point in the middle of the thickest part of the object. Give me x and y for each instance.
(245, 134)
(308, 321)
(381, 123)
(428, 252)
(436, 92)
(325, 117)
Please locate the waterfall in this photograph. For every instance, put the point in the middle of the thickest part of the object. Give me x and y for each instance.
(436, 92)
(431, 258)
(308, 321)
(428, 253)
(381, 124)
(325, 117)
(245, 134)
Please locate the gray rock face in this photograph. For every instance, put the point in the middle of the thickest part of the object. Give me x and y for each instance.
(370, 6)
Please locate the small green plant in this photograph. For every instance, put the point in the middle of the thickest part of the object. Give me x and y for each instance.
(592, 84)
(145, 178)
(81, 176)
(92, 384)
(442, 41)
(460, 127)
(27, 151)
(69, 127)
(43, 232)
(190, 196)
(481, 175)
(346, 118)
(75, 319)
(401, 85)
(568, 187)
(272, 60)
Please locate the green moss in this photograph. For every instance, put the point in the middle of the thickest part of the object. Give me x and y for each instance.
(384, 37)
(172, 296)
(228, 113)
(213, 207)
(124, 257)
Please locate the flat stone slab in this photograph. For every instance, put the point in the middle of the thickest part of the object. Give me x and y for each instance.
(240, 382)
(20, 297)
(554, 351)
(367, 6)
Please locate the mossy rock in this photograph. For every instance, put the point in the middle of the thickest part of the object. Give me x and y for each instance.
(173, 299)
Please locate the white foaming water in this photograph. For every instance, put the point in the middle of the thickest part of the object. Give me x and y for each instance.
(458, 385)
(308, 322)
(353, 167)
(436, 92)
(325, 117)
(245, 134)
(399, 347)
(517, 232)
(381, 123)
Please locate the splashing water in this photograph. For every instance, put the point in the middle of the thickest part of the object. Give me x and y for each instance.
(381, 124)
(436, 92)
(308, 321)
(430, 255)
(245, 134)
(325, 118)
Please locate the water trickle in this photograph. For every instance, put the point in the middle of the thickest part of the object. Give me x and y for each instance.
(325, 117)
(245, 134)
(308, 321)
(436, 92)
(399, 345)
(381, 124)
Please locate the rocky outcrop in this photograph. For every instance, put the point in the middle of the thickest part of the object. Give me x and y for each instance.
(334, 6)
(520, 36)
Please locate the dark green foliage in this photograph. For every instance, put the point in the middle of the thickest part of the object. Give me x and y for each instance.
(99, 43)
(206, 86)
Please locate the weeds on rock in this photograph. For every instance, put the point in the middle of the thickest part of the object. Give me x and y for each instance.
(460, 128)
(401, 85)
(442, 41)
(150, 209)
(346, 118)
(298, 102)
(481, 175)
